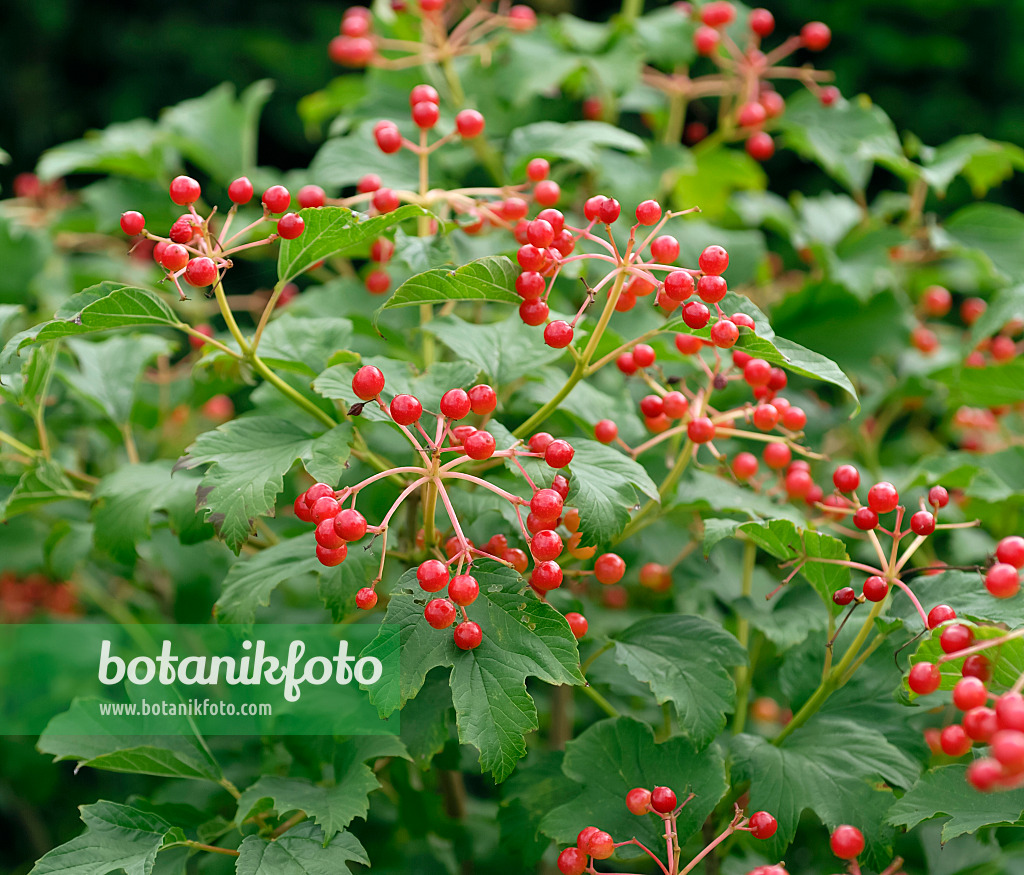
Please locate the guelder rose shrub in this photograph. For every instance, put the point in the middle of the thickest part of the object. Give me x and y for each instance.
(697, 502)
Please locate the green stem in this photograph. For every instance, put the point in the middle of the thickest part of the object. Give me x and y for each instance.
(298, 398)
(429, 509)
(673, 133)
(547, 409)
(631, 10)
(669, 484)
(744, 672)
(14, 443)
(604, 648)
(213, 849)
(600, 700)
(836, 678)
(229, 317)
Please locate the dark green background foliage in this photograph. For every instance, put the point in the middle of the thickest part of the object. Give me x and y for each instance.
(939, 67)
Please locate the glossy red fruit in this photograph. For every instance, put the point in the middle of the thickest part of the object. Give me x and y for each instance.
(679, 285)
(277, 199)
(883, 497)
(847, 842)
(638, 801)
(675, 405)
(367, 382)
(609, 568)
(290, 226)
(876, 588)
(480, 445)
(969, 693)
(1002, 580)
(533, 312)
(559, 454)
(706, 40)
(984, 774)
(184, 190)
(777, 455)
(762, 825)
(366, 598)
(388, 137)
(432, 575)
(546, 504)
(132, 222)
(956, 637)
(440, 613)
(547, 575)
(922, 523)
(572, 861)
(760, 146)
(724, 334)
(981, 723)
(605, 431)
(1010, 711)
(406, 409)
(701, 430)
(711, 289)
(1010, 550)
(240, 190)
(865, 519)
(815, 35)
(663, 800)
(696, 315)
(648, 212)
(924, 678)
(977, 666)
(350, 524)
(609, 211)
(954, 741)
(547, 193)
(602, 845)
(558, 334)
(940, 614)
(201, 271)
(468, 635)
(546, 545)
(455, 404)
(761, 22)
(469, 123)
(665, 249)
(744, 465)
(326, 536)
(483, 399)
(331, 558)
(577, 623)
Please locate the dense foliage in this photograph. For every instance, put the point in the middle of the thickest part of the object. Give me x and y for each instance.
(697, 507)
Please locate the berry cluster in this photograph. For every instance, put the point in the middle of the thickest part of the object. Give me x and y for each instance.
(743, 83)
(441, 37)
(23, 597)
(199, 252)
(593, 844)
(441, 457)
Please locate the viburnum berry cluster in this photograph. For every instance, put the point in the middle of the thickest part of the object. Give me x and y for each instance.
(594, 844)
(442, 457)
(199, 250)
(743, 83)
(443, 35)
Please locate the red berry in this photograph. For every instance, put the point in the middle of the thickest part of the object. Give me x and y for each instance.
(751, 115)
(956, 637)
(679, 285)
(290, 226)
(479, 445)
(368, 183)
(533, 312)
(326, 536)
(547, 193)
(546, 504)
(1002, 580)
(717, 13)
(761, 22)
(712, 289)
(540, 441)
(724, 334)
(546, 545)
(522, 17)
(876, 588)
(605, 431)
(980, 723)
(609, 211)
(773, 104)
(936, 301)
(765, 417)
(924, 678)
(201, 271)
(388, 137)
(983, 774)
(954, 741)
(648, 212)
(385, 200)
(601, 845)
(760, 146)
(350, 524)
(469, 123)
(559, 454)
(940, 614)
(558, 334)
(744, 466)
(922, 523)
(1008, 749)
(184, 190)
(468, 635)
(538, 169)
(883, 497)
(483, 399)
(577, 623)
(847, 842)
(757, 372)
(651, 406)
(701, 430)
(609, 568)
(331, 558)
(367, 382)
(455, 404)
(665, 248)
(777, 455)
(311, 196)
(463, 589)
(440, 613)
(1010, 550)
(663, 800)
(425, 114)
(762, 825)
(714, 260)
(173, 257)
(977, 666)
(240, 190)
(815, 35)
(643, 355)
(547, 575)
(638, 801)
(675, 405)
(406, 409)
(132, 222)
(572, 861)
(696, 315)
(560, 485)
(366, 598)
(1010, 711)
(277, 199)
(706, 40)
(432, 575)
(350, 51)
(969, 693)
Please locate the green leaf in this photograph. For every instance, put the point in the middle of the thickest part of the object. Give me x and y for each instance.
(345, 160)
(667, 37)
(965, 592)
(580, 142)
(334, 231)
(250, 582)
(217, 132)
(491, 278)
(944, 791)
(504, 351)
(300, 851)
(994, 231)
(522, 637)
(426, 724)
(685, 661)
(845, 139)
(1006, 306)
(43, 484)
(139, 149)
(99, 308)
(114, 746)
(126, 500)
(612, 757)
(710, 183)
(831, 766)
(1006, 659)
(604, 486)
(116, 837)
(248, 459)
(304, 345)
(984, 387)
(110, 370)
(985, 163)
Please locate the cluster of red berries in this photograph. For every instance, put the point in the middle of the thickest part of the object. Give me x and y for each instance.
(199, 253)
(883, 498)
(23, 597)
(936, 302)
(358, 46)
